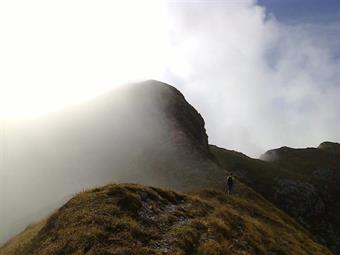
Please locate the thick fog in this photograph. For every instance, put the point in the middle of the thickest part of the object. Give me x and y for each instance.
(259, 83)
(128, 135)
(46, 160)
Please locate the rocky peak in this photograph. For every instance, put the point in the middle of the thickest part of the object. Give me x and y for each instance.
(187, 125)
(330, 146)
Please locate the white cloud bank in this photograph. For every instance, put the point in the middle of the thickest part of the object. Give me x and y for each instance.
(258, 83)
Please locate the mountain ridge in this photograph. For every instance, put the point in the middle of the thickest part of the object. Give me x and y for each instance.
(134, 219)
(142, 132)
(168, 147)
(302, 182)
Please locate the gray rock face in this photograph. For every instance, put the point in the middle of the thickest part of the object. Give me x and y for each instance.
(301, 199)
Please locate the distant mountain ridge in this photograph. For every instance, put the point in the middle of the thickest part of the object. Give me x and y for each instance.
(148, 133)
(305, 183)
(330, 146)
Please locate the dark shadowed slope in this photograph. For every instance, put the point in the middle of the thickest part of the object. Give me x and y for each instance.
(137, 220)
(303, 182)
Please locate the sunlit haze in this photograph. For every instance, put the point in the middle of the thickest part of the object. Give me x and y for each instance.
(258, 79)
(85, 101)
(57, 53)
(70, 118)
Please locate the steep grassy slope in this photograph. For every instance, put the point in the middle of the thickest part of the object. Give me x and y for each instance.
(133, 219)
(303, 182)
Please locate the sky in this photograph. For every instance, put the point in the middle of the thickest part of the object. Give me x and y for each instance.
(297, 11)
(262, 80)
(263, 74)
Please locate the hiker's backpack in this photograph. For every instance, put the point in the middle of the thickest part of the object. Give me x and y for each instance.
(230, 180)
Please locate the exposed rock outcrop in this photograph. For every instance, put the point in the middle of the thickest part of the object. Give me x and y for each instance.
(301, 199)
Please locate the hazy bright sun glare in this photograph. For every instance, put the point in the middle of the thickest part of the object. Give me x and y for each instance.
(55, 53)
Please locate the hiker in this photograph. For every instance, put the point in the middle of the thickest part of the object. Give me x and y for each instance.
(230, 183)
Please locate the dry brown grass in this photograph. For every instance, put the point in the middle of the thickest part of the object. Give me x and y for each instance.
(132, 219)
(18, 244)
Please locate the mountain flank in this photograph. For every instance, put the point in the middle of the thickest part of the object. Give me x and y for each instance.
(143, 133)
(134, 219)
(147, 133)
(305, 183)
